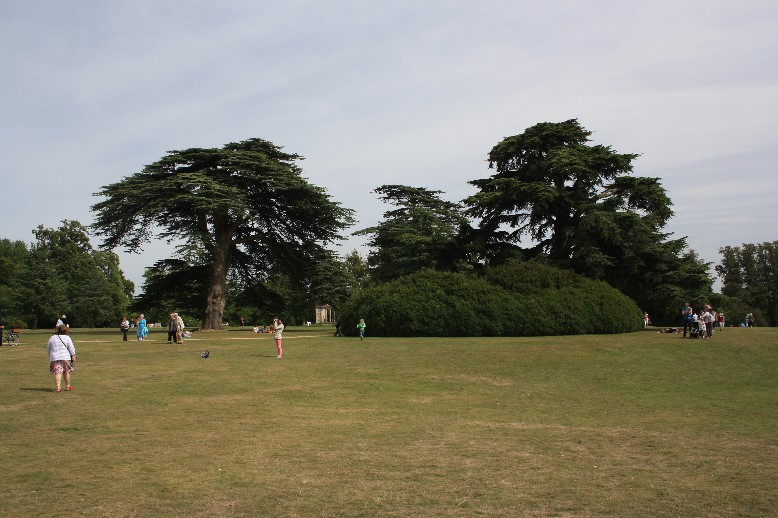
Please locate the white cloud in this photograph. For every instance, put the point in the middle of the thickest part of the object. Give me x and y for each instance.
(387, 92)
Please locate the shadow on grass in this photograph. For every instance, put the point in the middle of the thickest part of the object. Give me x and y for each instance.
(37, 389)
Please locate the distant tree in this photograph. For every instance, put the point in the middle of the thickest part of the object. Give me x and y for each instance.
(357, 268)
(327, 281)
(297, 305)
(332, 281)
(422, 232)
(245, 207)
(750, 273)
(677, 275)
(734, 309)
(731, 273)
(258, 303)
(108, 264)
(172, 285)
(38, 293)
(97, 291)
(13, 254)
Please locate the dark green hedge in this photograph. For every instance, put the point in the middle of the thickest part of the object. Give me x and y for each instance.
(516, 300)
(560, 302)
(430, 303)
(532, 278)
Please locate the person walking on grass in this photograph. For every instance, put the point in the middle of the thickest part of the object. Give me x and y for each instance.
(171, 329)
(124, 327)
(62, 357)
(361, 327)
(278, 326)
(143, 330)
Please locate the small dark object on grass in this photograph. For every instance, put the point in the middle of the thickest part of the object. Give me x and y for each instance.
(205, 354)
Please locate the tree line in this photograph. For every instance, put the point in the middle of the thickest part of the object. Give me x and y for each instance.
(253, 237)
(60, 273)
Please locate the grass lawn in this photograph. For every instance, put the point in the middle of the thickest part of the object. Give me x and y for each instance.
(643, 424)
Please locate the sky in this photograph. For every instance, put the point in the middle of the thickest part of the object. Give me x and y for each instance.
(389, 92)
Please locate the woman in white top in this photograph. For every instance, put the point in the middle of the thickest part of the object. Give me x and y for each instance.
(279, 331)
(62, 355)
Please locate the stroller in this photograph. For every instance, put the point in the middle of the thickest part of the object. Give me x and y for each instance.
(698, 329)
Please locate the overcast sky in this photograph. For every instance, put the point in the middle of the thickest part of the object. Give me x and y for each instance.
(376, 92)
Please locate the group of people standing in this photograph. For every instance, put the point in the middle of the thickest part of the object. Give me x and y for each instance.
(175, 329)
(702, 323)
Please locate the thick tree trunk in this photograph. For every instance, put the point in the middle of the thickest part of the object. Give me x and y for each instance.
(217, 293)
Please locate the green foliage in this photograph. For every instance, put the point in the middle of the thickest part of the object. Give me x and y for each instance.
(659, 275)
(422, 232)
(357, 269)
(586, 212)
(735, 310)
(62, 273)
(531, 278)
(559, 302)
(171, 285)
(257, 304)
(37, 292)
(520, 299)
(244, 210)
(549, 183)
(750, 273)
(328, 281)
(13, 254)
(430, 303)
(331, 280)
(97, 291)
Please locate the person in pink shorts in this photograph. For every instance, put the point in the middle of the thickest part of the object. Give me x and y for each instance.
(278, 325)
(62, 356)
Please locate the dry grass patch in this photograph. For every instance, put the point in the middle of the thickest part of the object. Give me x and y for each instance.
(629, 425)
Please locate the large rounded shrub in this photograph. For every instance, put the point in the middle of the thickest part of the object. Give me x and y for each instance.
(560, 302)
(531, 278)
(534, 300)
(430, 303)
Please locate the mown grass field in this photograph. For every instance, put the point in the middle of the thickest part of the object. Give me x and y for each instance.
(643, 424)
